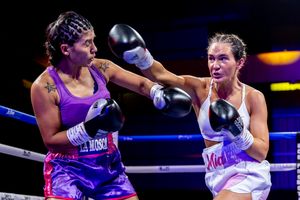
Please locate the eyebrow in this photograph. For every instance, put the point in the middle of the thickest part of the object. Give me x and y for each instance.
(218, 55)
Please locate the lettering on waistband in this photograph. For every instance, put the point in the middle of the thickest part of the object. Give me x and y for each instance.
(99, 145)
(215, 161)
(223, 156)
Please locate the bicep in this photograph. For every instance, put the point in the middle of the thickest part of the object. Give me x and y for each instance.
(259, 117)
(46, 112)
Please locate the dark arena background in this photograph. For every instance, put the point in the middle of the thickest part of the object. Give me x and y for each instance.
(176, 34)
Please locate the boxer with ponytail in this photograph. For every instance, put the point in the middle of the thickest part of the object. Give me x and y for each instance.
(232, 116)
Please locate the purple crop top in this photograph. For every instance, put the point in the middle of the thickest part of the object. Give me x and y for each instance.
(74, 109)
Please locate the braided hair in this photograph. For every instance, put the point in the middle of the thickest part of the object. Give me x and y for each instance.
(67, 29)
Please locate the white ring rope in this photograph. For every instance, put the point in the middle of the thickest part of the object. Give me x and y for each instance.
(22, 153)
(12, 196)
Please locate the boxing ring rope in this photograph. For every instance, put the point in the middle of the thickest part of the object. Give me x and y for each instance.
(11, 196)
(11, 113)
(194, 137)
(26, 154)
(22, 153)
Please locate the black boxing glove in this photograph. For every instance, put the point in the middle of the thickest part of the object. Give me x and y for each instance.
(172, 101)
(224, 116)
(104, 116)
(127, 43)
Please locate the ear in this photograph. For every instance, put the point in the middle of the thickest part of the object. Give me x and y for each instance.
(241, 63)
(65, 49)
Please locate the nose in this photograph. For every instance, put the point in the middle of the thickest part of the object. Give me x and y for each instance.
(215, 65)
(94, 48)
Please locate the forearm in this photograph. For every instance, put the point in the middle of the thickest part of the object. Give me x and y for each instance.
(58, 142)
(258, 150)
(158, 73)
(155, 72)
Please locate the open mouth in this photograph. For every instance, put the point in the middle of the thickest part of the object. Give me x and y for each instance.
(216, 75)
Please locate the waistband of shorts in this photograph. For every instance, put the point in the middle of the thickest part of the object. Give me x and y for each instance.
(73, 151)
(223, 155)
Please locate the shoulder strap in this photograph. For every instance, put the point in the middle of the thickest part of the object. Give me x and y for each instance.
(243, 92)
(210, 87)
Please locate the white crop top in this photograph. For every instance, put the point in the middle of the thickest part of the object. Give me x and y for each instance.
(203, 120)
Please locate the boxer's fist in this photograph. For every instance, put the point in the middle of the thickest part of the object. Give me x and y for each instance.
(103, 116)
(122, 38)
(224, 115)
(127, 43)
(172, 101)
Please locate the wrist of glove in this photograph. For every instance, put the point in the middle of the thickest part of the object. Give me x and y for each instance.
(77, 135)
(139, 56)
(157, 95)
(243, 141)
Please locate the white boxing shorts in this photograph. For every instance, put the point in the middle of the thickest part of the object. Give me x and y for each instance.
(228, 167)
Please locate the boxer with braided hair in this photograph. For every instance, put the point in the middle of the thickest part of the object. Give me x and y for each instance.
(232, 116)
(64, 30)
(76, 115)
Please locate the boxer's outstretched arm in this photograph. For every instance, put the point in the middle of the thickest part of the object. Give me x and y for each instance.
(127, 44)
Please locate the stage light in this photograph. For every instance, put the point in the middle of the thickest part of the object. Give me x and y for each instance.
(279, 58)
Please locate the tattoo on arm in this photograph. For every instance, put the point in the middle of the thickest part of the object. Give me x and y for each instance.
(104, 66)
(50, 87)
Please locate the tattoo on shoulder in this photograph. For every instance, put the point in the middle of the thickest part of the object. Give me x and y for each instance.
(50, 87)
(104, 66)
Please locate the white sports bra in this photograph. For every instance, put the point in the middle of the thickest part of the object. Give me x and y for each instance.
(203, 120)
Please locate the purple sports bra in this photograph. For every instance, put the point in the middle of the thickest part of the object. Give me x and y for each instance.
(74, 109)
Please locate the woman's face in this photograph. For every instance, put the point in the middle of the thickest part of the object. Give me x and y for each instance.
(84, 50)
(221, 63)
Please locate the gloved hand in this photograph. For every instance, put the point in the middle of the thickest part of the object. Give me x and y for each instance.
(172, 101)
(223, 115)
(104, 116)
(127, 43)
